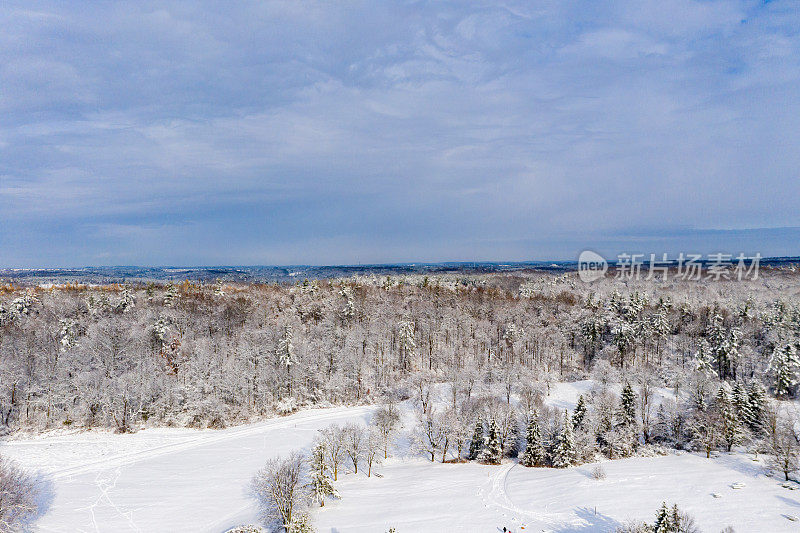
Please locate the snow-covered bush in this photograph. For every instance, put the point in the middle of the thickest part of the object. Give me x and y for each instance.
(286, 406)
(18, 497)
(598, 472)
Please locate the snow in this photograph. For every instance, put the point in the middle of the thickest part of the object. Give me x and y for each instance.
(416, 495)
(162, 480)
(196, 480)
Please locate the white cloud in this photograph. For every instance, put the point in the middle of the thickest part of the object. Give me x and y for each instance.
(331, 123)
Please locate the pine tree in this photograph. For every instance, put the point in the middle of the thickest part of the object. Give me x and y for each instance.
(703, 360)
(534, 454)
(756, 401)
(785, 365)
(661, 427)
(476, 444)
(730, 426)
(663, 520)
(627, 406)
(492, 452)
(320, 484)
(724, 344)
(564, 453)
(579, 414)
(170, 295)
(286, 355)
(741, 401)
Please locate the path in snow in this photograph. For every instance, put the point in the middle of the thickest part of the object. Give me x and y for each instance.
(495, 494)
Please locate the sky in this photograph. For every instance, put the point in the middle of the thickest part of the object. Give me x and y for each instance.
(341, 132)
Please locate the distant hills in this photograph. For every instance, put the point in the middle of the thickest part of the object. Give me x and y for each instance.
(286, 274)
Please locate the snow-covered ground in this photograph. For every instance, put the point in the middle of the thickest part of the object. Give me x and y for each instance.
(415, 495)
(190, 480)
(168, 480)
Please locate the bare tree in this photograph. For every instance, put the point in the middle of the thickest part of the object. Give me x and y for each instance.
(429, 434)
(279, 488)
(354, 443)
(645, 404)
(385, 420)
(783, 443)
(372, 449)
(706, 430)
(333, 437)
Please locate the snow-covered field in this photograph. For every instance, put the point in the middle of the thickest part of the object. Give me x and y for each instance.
(167, 480)
(417, 496)
(190, 480)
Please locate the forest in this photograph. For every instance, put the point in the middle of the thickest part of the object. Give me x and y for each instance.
(216, 354)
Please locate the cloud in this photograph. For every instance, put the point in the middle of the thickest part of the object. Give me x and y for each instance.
(316, 132)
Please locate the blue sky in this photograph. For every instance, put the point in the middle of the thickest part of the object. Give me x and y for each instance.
(202, 133)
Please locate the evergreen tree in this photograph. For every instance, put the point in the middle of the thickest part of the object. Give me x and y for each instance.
(564, 453)
(492, 452)
(476, 444)
(675, 519)
(170, 295)
(534, 454)
(724, 344)
(663, 521)
(785, 366)
(627, 406)
(731, 432)
(661, 429)
(741, 401)
(579, 414)
(756, 402)
(703, 361)
(320, 484)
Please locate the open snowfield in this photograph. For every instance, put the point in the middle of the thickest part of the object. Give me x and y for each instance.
(415, 495)
(196, 480)
(167, 480)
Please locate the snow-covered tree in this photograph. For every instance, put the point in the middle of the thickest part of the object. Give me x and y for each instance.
(286, 355)
(705, 428)
(784, 447)
(627, 406)
(579, 414)
(724, 346)
(373, 449)
(785, 366)
(673, 521)
(320, 485)
(703, 360)
(354, 443)
(408, 344)
(170, 296)
(476, 443)
(385, 420)
(429, 434)
(564, 453)
(279, 488)
(534, 453)
(333, 439)
(492, 451)
(301, 523)
(730, 428)
(756, 404)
